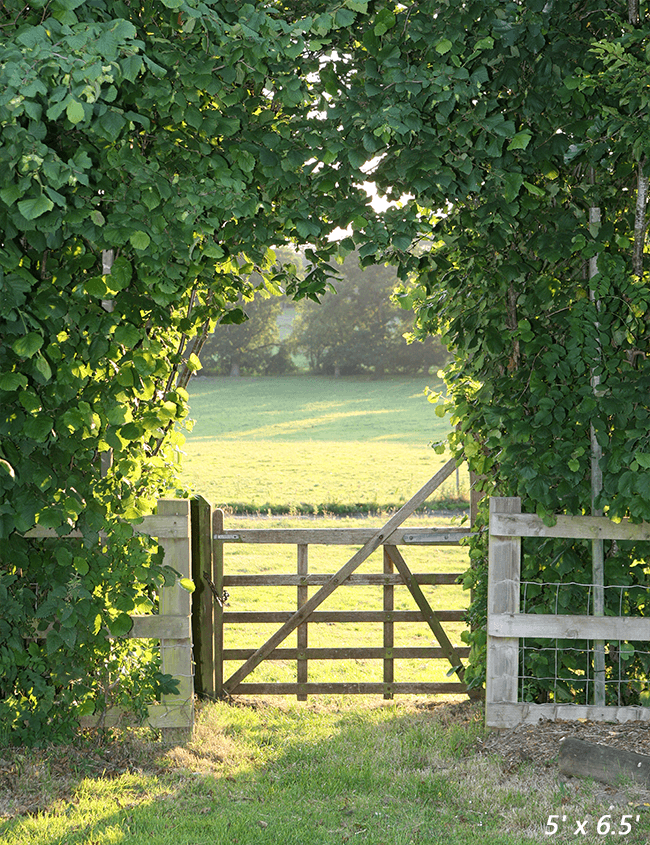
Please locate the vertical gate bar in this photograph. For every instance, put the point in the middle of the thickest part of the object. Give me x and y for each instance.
(301, 631)
(202, 598)
(217, 580)
(504, 573)
(389, 605)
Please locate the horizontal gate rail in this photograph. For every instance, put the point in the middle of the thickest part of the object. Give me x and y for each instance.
(341, 688)
(346, 536)
(352, 653)
(260, 616)
(377, 579)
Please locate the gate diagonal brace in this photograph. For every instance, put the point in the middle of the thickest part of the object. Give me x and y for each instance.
(220, 598)
(429, 614)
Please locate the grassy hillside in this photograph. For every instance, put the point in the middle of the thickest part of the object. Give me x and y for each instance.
(313, 444)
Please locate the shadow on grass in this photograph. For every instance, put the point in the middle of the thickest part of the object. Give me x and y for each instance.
(282, 773)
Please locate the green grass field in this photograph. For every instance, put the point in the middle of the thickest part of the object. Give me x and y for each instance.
(314, 444)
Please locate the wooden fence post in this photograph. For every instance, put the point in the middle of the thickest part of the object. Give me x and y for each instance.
(504, 570)
(202, 598)
(176, 654)
(301, 631)
(217, 604)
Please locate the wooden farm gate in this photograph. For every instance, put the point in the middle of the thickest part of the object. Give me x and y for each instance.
(210, 610)
(506, 625)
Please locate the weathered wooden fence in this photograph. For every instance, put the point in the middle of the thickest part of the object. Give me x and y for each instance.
(171, 625)
(506, 625)
(211, 613)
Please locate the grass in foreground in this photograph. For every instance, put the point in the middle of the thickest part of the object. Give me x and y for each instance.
(314, 444)
(392, 774)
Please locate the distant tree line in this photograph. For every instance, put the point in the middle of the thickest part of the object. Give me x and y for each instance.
(356, 329)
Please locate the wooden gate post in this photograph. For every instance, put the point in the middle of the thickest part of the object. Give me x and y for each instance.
(504, 571)
(217, 604)
(202, 598)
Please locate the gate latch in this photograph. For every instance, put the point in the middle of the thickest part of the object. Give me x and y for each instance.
(220, 598)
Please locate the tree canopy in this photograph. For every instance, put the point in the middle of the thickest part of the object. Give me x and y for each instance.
(151, 154)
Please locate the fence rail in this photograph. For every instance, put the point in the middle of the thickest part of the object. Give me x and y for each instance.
(506, 625)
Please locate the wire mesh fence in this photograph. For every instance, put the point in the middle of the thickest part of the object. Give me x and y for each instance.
(561, 671)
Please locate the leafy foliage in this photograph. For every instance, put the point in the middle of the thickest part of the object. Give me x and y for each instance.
(149, 155)
(246, 347)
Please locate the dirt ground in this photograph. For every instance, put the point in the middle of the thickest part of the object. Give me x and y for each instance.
(540, 745)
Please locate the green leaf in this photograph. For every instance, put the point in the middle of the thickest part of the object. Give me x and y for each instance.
(357, 5)
(173, 4)
(10, 194)
(385, 20)
(131, 431)
(194, 363)
(38, 428)
(33, 208)
(534, 190)
(140, 240)
(42, 368)
(128, 335)
(344, 17)
(121, 625)
(443, 46)
(5, 466)
(626, 651)
(520, 141)
(12, 381)
(187, 584)
(512, 183)
(75, 111)
(28, 345)
(81, 565)
(643, 459)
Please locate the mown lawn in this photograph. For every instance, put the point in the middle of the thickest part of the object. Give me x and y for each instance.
(314, 444)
